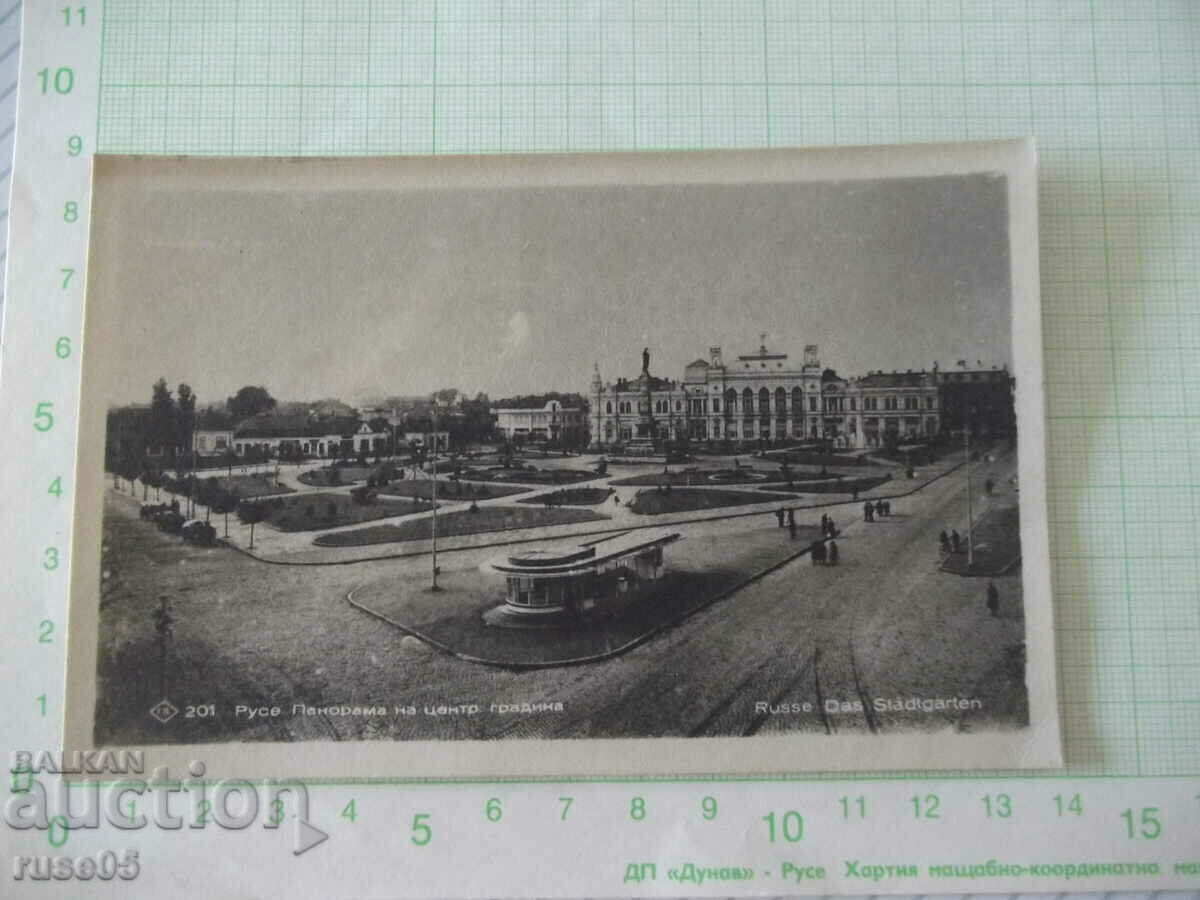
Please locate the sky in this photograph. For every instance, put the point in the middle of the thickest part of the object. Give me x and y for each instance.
(359, 294)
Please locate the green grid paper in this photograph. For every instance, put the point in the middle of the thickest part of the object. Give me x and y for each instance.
(1111, 88)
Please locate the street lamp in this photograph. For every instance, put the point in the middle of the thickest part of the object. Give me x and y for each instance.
(970, 510)
(433, 441)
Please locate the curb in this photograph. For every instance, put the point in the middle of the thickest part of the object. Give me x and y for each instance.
(505, 543)
(596, 657)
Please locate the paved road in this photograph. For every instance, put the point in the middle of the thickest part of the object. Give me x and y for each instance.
(885, 623)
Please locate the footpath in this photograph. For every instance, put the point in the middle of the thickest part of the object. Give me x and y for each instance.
(296, 548)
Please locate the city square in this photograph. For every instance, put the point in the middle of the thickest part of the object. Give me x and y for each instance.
(569, 472)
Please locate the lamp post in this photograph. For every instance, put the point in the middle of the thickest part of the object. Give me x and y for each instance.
(433, 441)
(970, 510)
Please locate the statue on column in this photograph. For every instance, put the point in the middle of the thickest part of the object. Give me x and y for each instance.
(645, 360)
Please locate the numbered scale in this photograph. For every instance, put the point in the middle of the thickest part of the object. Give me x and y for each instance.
(562, 838)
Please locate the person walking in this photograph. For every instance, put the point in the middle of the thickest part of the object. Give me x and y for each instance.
(868, 512)
(830, 528)
(944, 541)
(833, 553)
(779, 516)
(824, 524)
(791, 517)
(955, 540)
(791, 526)
(879, 508)
(887, 507)
(993, 599)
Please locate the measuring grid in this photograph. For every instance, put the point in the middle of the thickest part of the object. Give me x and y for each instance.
(1110, 89)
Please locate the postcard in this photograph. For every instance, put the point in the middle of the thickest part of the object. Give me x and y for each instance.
(565, 465)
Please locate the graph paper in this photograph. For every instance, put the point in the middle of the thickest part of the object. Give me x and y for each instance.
(1110, 89)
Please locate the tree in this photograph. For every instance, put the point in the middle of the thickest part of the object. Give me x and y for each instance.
(251, 512)
(185, 416)
(250, 401)
(130, 469)
(161, 430)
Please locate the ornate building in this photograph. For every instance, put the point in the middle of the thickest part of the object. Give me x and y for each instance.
(764, 398)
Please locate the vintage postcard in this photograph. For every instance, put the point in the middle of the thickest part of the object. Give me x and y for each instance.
(719, 462)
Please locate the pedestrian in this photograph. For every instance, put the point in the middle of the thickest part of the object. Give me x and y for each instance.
(868, 512)
(813, 551)
(819, 549)
(791, 528)
(830, 528)
(824, 524)
(833, 553)
(616, 499)
(887, 507)
(955, 540)
(879, 508)
(944, 541)
(779, 516)
(791, 517)
(993, 600)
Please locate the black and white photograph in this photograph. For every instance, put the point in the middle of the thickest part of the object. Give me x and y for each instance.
(629, 464)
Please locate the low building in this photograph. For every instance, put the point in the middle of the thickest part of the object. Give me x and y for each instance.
(212, 441)
(552, 422)
(979, 396)
(573, 584)
(286, 436)
(212, 434)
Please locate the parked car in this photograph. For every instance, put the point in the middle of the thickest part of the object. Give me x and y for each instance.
(197, 531)
(169, 521)
(149, 510)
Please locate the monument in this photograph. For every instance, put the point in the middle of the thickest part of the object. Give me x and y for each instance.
(644, 441)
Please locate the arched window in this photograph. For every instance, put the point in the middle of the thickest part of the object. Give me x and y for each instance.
(764, 401)
(797, 400)
(748, 402)
(731, 401)
(608, 407)
(780, 400)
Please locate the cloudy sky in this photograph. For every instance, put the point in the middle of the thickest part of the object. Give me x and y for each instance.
(355, 294)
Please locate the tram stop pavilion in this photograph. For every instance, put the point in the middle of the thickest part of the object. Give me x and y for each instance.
(572, 585)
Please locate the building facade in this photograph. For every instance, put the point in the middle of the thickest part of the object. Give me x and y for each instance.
(552, 422)
(763, 398)
(300, 435)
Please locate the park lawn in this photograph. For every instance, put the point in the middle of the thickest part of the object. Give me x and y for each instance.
(449, 490)
(842, 485)
(704, 477)
(484, 519)
(529, 476)
(309, 512)
(584, 496)
(259, 485)
(346, 475)
(811, 458)
(655, 503)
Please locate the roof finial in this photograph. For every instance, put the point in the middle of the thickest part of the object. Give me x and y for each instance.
(762, 346)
